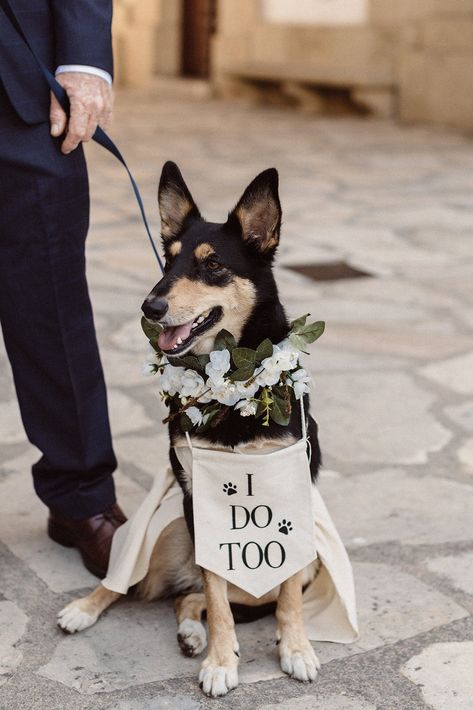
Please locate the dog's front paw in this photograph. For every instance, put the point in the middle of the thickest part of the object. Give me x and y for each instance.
(191, 637)
(299, 662)
(74, 618)
(218, 676)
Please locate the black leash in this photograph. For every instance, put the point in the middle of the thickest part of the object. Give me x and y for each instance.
(99, 136)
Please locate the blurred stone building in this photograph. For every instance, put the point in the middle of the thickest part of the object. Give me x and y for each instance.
(412, 59)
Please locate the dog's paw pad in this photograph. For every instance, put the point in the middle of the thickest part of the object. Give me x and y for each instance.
(72, 619)
(301, 665)
(285, 526)
(191, 637)
(217, 680)
(230, 488)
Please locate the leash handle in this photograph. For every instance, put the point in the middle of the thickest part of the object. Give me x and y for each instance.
(99, 136)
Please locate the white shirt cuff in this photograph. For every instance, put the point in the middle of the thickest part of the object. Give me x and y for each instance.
(86, 70)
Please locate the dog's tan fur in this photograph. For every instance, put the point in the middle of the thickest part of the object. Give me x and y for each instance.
(187, 299)
(175, 248)
(203, 251)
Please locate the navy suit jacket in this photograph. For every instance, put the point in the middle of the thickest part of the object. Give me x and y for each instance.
(61, 32)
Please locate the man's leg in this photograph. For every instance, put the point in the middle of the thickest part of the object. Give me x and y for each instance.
(47, 319)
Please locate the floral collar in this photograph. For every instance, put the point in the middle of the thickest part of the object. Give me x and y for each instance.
(260, 383)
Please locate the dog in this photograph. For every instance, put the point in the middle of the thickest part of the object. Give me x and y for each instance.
(217, 276)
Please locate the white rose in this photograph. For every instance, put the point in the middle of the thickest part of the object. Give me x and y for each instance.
(271, 372)
(300, 378)
(171, 379)
(192, 384)
(225, 393)
(247, 390)
(286, 355)
(247, 409)
(195, 415)
(219, 364)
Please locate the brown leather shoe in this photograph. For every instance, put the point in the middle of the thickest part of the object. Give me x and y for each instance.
(93, 536)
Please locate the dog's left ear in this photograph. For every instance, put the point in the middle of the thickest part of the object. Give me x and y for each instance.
(259, 213)
(176, 203)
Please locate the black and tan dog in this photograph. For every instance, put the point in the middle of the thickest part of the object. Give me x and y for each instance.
(217, 276)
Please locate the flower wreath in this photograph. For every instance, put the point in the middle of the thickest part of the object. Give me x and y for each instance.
(260, 383)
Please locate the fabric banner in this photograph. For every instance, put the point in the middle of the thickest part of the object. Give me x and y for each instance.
(253, 515)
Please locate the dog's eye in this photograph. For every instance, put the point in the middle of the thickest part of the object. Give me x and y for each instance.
(212, 264)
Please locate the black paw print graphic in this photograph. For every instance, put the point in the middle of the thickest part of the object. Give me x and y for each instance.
(285, 526)
(230, 489)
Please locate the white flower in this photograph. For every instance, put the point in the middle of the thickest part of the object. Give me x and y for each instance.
(245, 390)
(195, 415)
(219, 364)
(192, 384)
(247, 408)
(149, 368)
(225, 392)
(300, 379)
(171, 379)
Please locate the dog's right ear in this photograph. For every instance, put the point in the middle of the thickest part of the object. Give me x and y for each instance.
(175, 201)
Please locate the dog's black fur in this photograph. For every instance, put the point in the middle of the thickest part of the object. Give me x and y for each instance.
(236, 255)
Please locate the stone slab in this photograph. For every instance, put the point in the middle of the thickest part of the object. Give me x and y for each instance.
(23, 527)
(443, 673)
(13, 623)
(455, 373)
(391, 505)
(392, 422)
(458, 569)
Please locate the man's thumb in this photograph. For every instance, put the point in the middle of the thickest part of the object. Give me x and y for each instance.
(57, 118)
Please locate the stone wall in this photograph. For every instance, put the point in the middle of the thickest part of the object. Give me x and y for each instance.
(146, 40)
(409, 58)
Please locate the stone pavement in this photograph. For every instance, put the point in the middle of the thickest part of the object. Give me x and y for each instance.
(393, 396)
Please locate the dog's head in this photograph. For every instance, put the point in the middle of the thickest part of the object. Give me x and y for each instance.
(215, 274)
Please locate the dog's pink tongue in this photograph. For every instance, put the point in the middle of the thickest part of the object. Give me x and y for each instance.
(168, 338)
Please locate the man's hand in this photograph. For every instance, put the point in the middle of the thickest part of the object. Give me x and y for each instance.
(91, 100)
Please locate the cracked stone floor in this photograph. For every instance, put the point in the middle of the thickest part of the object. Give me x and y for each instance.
(393, 395)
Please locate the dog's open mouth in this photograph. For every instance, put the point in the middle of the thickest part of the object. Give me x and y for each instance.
(175, 339)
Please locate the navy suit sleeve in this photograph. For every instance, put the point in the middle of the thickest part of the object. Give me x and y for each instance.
(83, 31)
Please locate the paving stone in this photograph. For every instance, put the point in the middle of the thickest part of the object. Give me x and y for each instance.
(126, 414)
(23, 527)
(129, 336)
(12, 627)
(135, 643)
(458, 569)
(465, 455)
(455, 373)
(393, 423)
(10, 423)
(123, 368)
(163, 702)
(149, 453)
(393, 505)
(461, 414)
(327, 702)
(443, 673)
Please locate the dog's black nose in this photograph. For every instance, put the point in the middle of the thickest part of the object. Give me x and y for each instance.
(155, 308)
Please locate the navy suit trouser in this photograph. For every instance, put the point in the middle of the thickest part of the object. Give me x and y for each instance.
(46, 317)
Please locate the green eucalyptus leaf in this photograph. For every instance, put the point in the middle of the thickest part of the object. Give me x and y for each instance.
(311, 332)
(264, 350)
(151, 330)
(280, 411)
(244, 357)
(299, 323)
(299, 342)
(224, 340)
(204, 359)
(243, 373)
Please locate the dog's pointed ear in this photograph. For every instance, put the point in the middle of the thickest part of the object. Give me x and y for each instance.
(175, 201)
(258, 212)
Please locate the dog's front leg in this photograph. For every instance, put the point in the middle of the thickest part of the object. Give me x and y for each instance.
(219, 672)
(295, 651)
